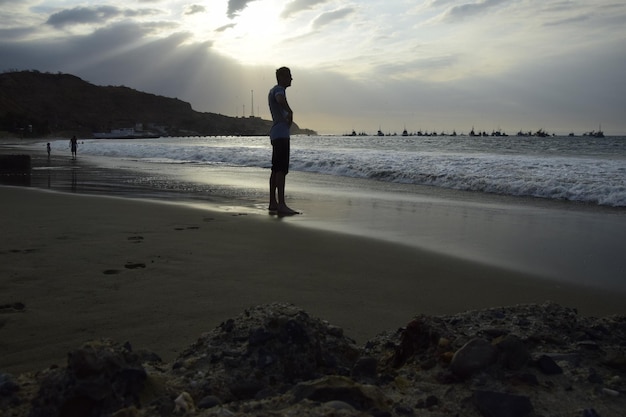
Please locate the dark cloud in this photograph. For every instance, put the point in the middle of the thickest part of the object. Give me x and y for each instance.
(225, 27)
(83, 15)
(327, 18)
(297, 6)
(91, 15)
(141, 12)
(235, 6)
(471, 9)
(15, 33)
(442, 2)
(74, 54)
(568, 21)
(195, 8)
(400, 69)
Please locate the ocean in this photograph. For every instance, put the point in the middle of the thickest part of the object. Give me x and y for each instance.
(551, 206)
(581, 169)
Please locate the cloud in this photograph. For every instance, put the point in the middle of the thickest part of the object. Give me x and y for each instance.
(83, 15)
(408, 69)
(297, 6)
(15, 33)
(235, 6)
(317, 25)
(326, 19)
(471, 9)
(94, 15)
(195, 8)
(569, 21)
(225, 27)
(141, 12)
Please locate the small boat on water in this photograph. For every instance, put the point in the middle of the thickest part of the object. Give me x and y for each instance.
(596, 134)
(125, 133)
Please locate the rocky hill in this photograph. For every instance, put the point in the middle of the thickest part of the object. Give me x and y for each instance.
(37, 104)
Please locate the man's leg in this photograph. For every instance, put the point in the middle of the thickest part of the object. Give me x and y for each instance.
(280, 166)
(273, 202)
(280, 189)
(277, 193)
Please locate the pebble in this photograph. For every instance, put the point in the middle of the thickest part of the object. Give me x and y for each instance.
(209, 401)
(548, 366)
(7, 385)
(514, 354)
(610, 392)
(474, 356)
(499, 404)
(365, 368)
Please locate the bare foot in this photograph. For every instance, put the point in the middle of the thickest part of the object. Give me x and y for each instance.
(283, 210)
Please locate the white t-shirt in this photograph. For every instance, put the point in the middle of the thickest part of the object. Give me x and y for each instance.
(280, 127)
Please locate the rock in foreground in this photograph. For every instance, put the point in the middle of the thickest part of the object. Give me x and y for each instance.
(276, 360)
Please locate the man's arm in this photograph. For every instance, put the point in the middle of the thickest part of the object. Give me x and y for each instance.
(281, 99)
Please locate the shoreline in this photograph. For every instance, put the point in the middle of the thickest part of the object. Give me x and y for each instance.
(565, 242)
(159, 274)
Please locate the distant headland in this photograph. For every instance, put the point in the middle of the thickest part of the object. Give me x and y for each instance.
(37, 104)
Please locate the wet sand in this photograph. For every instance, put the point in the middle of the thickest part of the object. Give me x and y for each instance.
(158, 275)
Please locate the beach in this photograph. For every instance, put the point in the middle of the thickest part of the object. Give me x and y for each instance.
(158, 273)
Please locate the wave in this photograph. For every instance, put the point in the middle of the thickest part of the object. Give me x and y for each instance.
(599, 177)
(560, 179)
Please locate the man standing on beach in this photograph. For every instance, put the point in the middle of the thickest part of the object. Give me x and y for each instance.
(73, 146)
(282, 117)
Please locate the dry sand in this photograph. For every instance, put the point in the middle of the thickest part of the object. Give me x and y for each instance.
(158, 275)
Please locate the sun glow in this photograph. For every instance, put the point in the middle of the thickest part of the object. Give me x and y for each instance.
(252, 35)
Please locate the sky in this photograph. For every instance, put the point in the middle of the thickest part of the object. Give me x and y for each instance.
(435, 65)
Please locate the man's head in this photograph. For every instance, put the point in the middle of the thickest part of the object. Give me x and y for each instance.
(283, 76)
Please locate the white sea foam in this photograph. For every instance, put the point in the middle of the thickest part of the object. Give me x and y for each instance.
(583, 169)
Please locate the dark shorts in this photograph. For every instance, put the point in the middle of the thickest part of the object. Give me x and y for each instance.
(280, 155)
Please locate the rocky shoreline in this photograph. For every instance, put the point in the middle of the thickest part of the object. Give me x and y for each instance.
(276, 360)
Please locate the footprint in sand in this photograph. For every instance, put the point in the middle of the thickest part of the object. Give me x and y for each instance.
(22, 250)
(134, 265)
(129, 265)
(12, 308)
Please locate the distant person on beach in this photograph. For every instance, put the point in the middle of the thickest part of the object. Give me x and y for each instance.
(48, 149)
(282, 117)
(74, 146)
